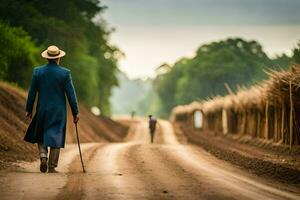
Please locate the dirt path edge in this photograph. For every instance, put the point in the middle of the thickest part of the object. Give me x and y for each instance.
(260, 167)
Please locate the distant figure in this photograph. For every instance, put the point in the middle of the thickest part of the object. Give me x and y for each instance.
(152, 127)
(51, 83)
(132, 114)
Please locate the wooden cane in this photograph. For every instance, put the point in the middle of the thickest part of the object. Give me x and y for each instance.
(78, 143)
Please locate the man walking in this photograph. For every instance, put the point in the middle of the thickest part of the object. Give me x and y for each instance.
(52, 83)
(152, 127)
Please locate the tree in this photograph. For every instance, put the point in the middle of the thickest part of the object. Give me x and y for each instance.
(296, 54)
(281, 62)
(232, 61)
(72, 27)
(17, 55)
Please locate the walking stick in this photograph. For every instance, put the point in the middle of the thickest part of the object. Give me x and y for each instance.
(77, 136)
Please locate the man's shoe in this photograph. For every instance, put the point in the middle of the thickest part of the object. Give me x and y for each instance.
(52, 170)
(44, 165)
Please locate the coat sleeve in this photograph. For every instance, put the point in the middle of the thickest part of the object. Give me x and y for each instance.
(31, 93)
(71, 94)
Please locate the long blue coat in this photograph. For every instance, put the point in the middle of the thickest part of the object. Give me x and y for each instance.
(52, 83)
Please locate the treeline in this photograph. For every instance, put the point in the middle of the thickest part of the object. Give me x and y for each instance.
(29, 26)
(232, 62)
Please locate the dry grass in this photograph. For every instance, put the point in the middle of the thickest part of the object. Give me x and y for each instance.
(263, 110)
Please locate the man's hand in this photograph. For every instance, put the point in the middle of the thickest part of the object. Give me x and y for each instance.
(29, 115)
(75, 119)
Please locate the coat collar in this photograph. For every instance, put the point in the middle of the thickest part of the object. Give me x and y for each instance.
(52, 63)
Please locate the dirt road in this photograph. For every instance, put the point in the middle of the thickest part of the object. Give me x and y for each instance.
(138, 170)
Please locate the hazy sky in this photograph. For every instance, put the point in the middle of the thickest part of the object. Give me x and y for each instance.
(151, 32)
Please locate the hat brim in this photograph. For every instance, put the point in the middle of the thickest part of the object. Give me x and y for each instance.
(44, 54)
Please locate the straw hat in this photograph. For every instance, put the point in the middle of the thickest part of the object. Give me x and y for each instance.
(53, 52)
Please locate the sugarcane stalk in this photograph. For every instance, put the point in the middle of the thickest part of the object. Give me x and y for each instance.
(267, 122)
(291, 115)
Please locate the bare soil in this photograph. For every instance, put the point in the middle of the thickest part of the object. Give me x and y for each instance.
(265, 160)
(139, 170)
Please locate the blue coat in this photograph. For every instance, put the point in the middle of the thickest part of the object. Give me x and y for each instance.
(52, 83)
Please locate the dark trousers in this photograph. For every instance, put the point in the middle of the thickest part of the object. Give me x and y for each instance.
(152, 132)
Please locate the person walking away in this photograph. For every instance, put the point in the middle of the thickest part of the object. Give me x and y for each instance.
(51, 83)
(152, 127)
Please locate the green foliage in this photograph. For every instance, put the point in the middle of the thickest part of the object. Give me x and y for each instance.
(165, 86)
(71, 25)
(232, 61)
(296, 54)
(282, 61)
(17, 55)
